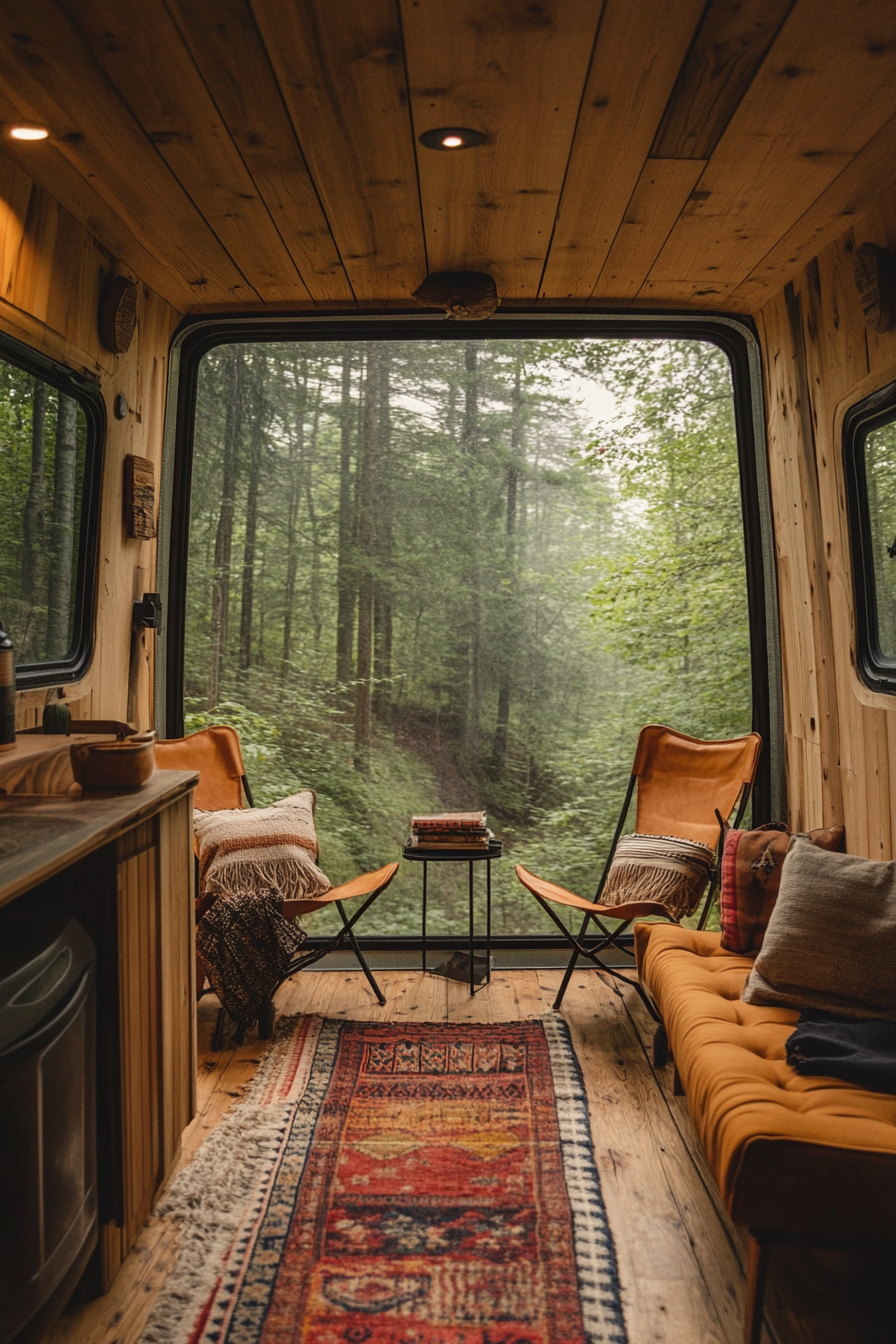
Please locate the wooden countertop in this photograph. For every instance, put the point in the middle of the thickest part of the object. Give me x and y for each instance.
(41, 835)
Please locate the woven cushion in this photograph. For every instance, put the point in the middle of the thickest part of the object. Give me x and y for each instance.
(806, 1155)
(831, 938)
(658, 868)
(257, 848)
(751, 876)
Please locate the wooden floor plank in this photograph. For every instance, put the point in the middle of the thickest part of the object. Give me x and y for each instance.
(670, 1246)
(679, 1261)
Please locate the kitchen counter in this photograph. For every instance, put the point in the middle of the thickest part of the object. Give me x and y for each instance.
(42, 834)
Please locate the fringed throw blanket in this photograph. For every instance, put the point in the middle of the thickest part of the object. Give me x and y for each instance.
(659, 868)
(255, 848)
(251, 860)
(246, 945)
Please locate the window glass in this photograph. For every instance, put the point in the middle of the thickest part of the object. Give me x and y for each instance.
(880, 478)
(433, 575)
(43, 448)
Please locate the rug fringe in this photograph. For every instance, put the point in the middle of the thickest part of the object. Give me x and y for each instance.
(207, 1199)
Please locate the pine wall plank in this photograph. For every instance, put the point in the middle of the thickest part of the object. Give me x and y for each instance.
(819, 360)
(52, 272)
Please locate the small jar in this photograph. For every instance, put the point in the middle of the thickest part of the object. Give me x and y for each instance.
(7, 692)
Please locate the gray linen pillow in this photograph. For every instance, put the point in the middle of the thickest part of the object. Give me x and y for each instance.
(831, 938)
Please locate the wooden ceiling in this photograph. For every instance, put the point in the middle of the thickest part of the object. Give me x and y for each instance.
(651, 152)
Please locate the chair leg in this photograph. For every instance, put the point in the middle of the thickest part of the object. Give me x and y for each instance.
(381, 998)
(266, 1021)
(757, 1270)
(660, 1047)
(567, 975)
(217, 1041)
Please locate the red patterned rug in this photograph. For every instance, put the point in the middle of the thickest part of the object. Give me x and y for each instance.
(397, 1184)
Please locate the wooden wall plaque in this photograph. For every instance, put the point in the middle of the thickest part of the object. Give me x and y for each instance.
(118, 314)
(139, 497)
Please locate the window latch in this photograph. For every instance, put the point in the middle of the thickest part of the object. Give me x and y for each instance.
(148, 612)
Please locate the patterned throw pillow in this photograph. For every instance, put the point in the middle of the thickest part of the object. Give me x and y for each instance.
(257, 848)
(661, 868)
(751, 876)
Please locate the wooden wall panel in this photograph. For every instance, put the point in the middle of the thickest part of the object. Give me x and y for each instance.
(819, 359)
(51, 276)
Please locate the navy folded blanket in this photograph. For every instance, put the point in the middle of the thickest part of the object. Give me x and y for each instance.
(861, 1052)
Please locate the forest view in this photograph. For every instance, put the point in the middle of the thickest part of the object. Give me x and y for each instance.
(430, 575)
(43, 438)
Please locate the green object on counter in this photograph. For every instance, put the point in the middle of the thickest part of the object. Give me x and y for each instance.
(57, 718)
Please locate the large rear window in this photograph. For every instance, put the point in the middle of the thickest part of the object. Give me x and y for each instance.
(458, 573)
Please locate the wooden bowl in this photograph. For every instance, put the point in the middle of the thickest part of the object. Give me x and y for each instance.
(114, 765)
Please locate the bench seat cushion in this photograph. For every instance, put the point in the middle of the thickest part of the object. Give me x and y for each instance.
(807, 1156)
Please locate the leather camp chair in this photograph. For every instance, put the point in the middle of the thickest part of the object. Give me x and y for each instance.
(215, 753)
(687, 788)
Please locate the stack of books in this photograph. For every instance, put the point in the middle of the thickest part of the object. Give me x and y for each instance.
(450, 830)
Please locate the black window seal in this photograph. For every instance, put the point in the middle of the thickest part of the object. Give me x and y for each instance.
(875, 669)
(64, 671)
(734, 334)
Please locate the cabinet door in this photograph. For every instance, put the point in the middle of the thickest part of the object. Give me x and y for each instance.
(156, 1015)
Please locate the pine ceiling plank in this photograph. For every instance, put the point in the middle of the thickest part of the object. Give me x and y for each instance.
(141, 51)
(340, 68)
(45, 165)
(825, 90)
(225, 44)
(49, 77)
(711, 295)
(663, 188)
(639, 52)
(728, 48)
(854, 191)
(516, 72)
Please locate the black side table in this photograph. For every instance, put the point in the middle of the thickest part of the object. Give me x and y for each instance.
(468, 856)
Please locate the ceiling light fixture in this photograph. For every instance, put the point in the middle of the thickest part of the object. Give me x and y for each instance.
(452, 137)
(27, 131)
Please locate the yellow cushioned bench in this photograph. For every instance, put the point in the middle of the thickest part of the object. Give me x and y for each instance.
(797, 1159)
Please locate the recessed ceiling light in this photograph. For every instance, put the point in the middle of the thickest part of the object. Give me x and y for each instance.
(26, 131)
(452, 137)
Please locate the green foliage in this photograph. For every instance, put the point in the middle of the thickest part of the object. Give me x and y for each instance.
(27, 470)
(544, 586)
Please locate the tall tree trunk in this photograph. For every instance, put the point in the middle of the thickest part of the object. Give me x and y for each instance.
(33, 515)
(220, 613)
(366, 558)
(62, 539)
(510, 631)
(314, 584)
(469, 435)
(382, 596)
(258, 370)
(294, 494)
(345, 565)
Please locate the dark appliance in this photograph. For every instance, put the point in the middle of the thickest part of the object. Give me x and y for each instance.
(48, 1199)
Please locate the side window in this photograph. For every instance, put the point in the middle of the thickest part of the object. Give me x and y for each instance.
(51, 425)
(870, 461)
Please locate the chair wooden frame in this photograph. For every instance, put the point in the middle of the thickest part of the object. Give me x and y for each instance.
(706, 819)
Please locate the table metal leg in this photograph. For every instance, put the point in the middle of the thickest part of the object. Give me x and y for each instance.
(488, 921)
(423, 939)
(472, 967)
